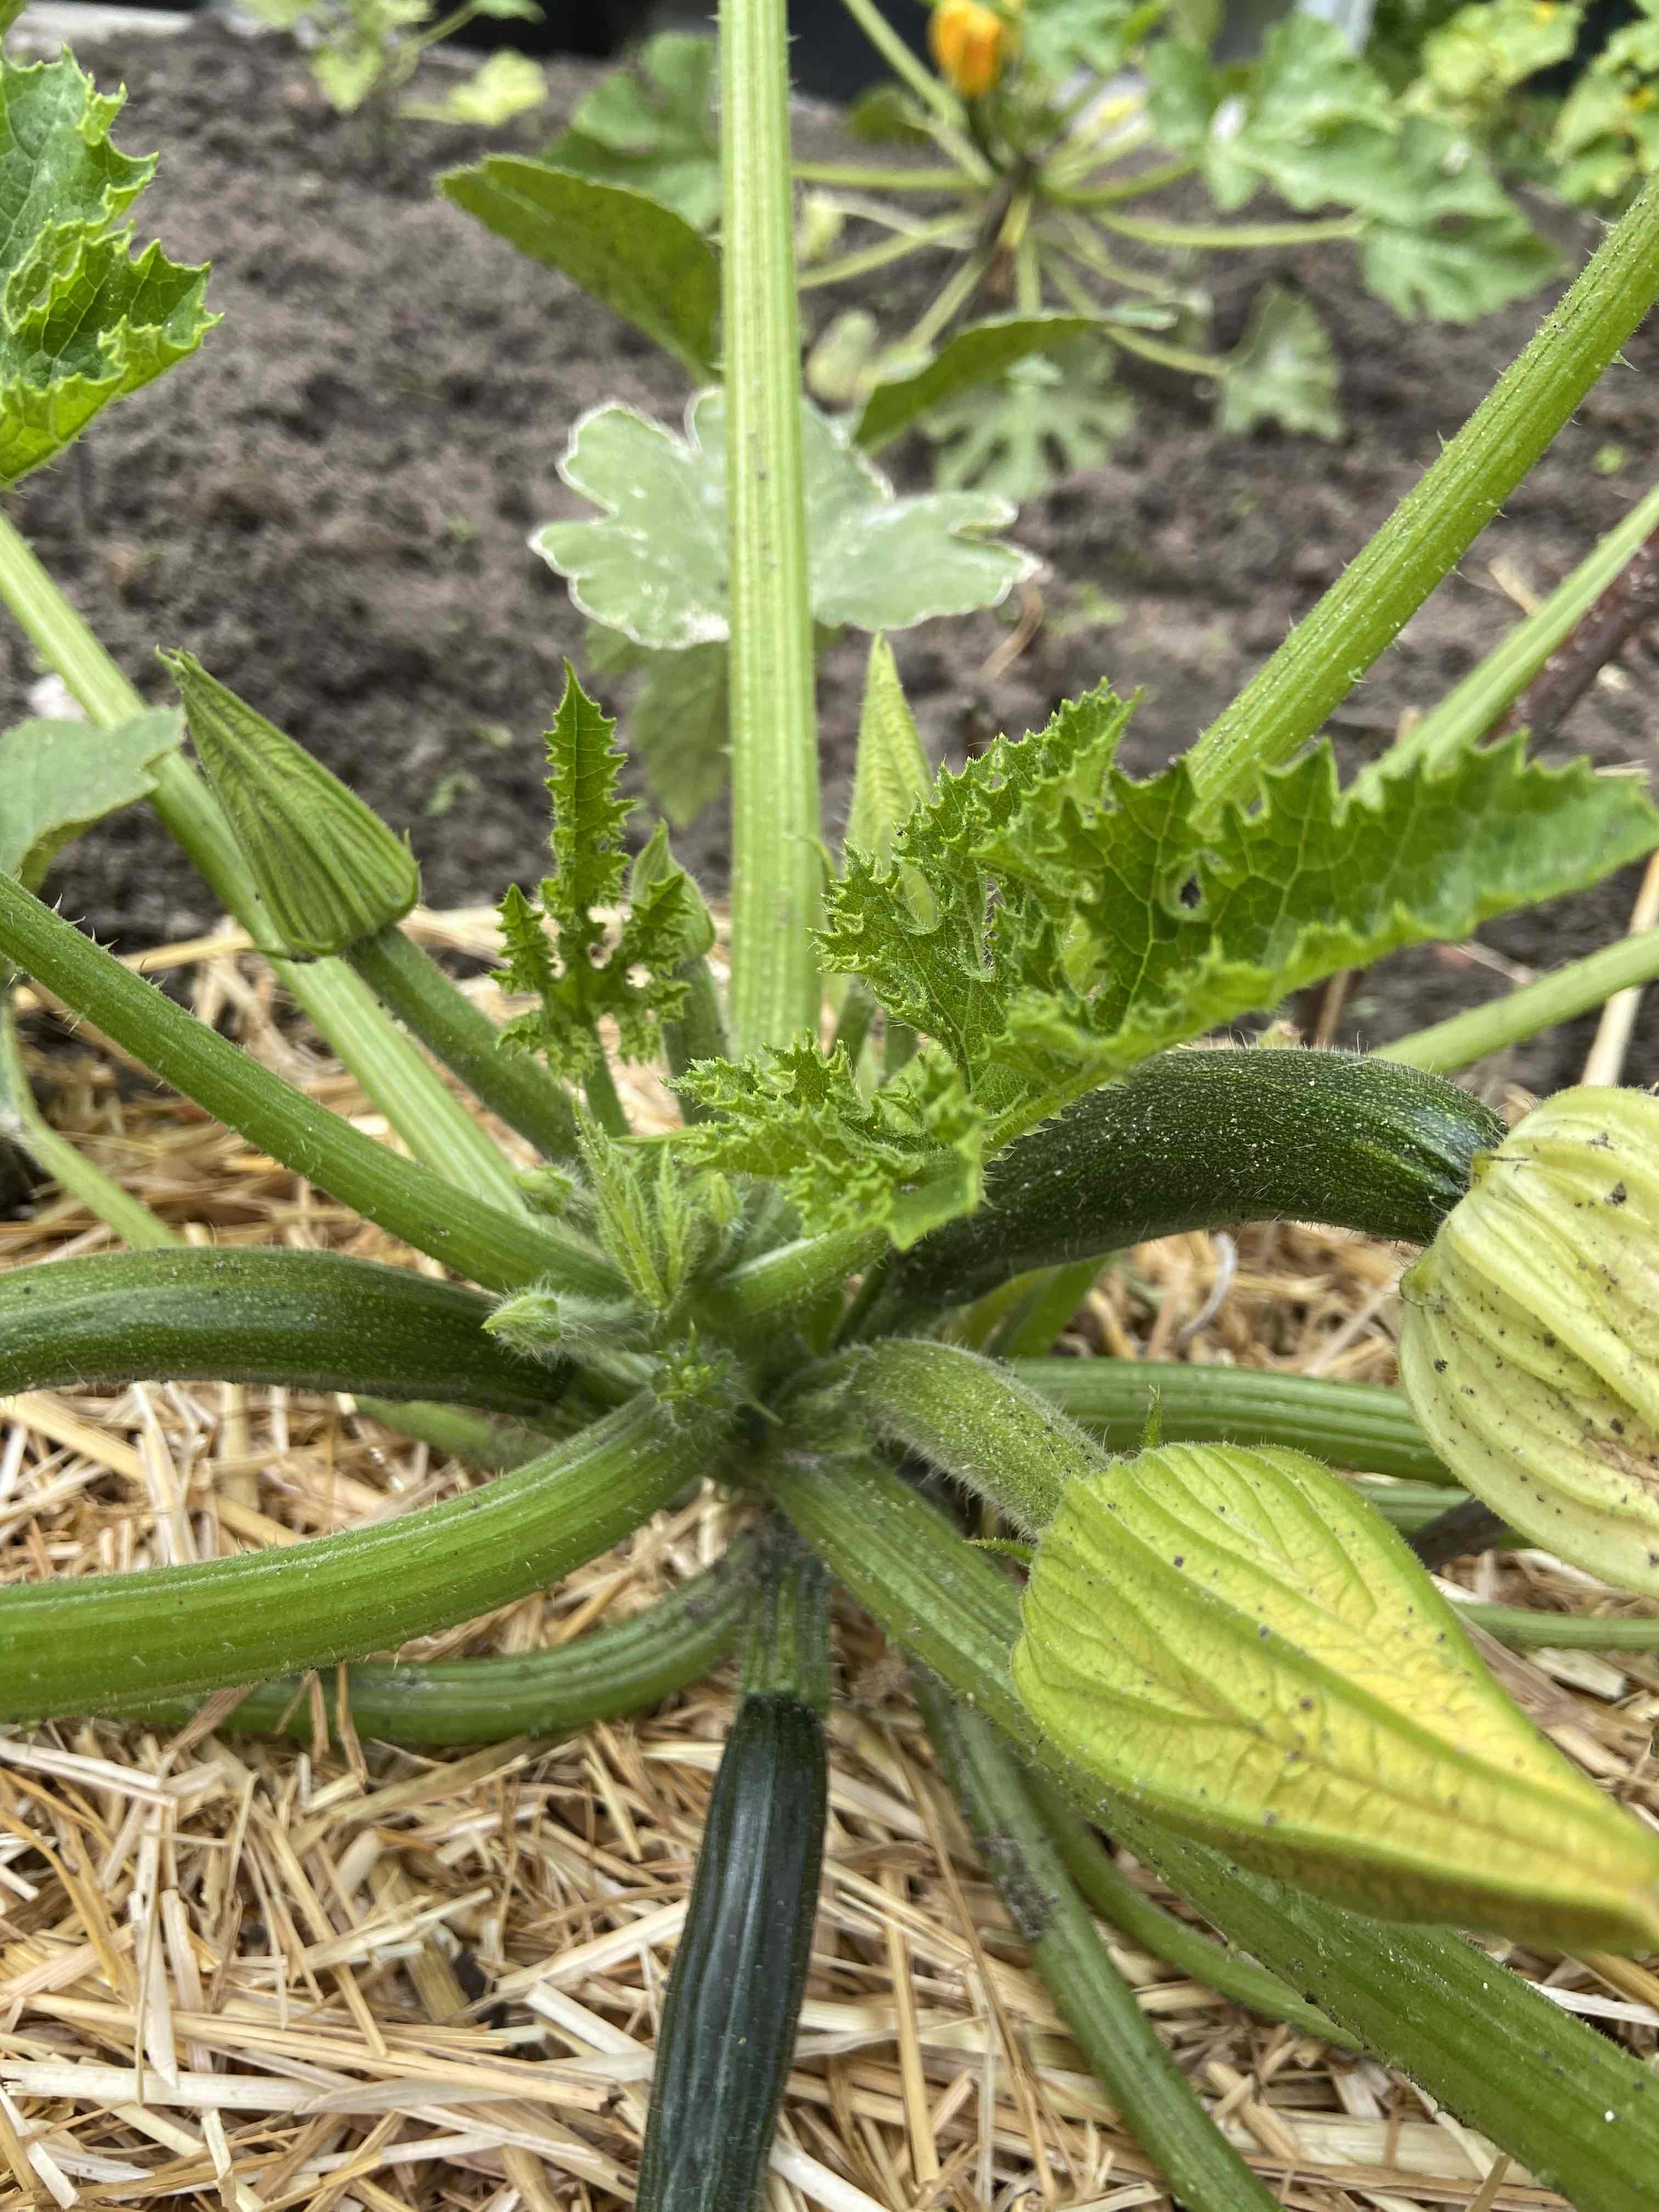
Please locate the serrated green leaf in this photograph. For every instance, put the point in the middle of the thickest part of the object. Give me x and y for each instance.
(638, 257)
(911, 1159)
(1230, 1640)
(978, 356)
(83, 321)
(1172, 932)
(569, 974)
(1041, 420)
(1059, 36)
(655, 569)
(892, 776)
(650, 127)
(1283, 370)
(956, 974)
(57, 779)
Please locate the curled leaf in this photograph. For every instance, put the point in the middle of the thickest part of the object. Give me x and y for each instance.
(1232, 1640)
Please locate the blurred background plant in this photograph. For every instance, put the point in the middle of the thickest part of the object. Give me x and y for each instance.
(363, 52)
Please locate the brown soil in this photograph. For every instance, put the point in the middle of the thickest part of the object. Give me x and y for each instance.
(330, 505)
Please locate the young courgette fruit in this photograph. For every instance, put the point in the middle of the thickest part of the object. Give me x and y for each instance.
(728, 2023)
(734, 1998)
(308, 1319)
(1197, 1140)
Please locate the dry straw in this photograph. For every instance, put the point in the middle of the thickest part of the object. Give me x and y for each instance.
(332, 1974)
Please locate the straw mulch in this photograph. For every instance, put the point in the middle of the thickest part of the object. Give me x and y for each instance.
(258, 1975)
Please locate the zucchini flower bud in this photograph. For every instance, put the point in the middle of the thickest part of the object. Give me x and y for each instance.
(972, 44)
(1530, 1349)
(328, 868)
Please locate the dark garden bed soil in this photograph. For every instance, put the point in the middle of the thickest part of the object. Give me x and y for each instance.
(329, 505)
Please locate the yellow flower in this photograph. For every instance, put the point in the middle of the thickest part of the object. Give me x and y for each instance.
(971, 43)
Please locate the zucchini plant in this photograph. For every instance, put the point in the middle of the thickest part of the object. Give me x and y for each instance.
(1222, 1653)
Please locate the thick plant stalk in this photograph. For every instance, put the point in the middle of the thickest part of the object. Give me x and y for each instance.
(600, 1676)
(1108, 1892)
(1359, 1425)
(1578, 988)
(1482, 700)
(1331, 649)
(95, 1643)
(1475, 2036)
(775, 862)
(474, 1238)
(436, 1127)
(311, 1321)
(1097, 2005)
(21, 1120)
(510, 1083)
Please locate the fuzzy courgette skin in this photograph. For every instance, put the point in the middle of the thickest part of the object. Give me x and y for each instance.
(728, 2023)
(1197, 1140)
(308, 1319)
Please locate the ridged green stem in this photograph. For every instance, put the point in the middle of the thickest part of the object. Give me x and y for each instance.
(311, 1321)
(1583, 2114)
(1109, 1891)
(21, 1120)
(1359, 1425)
(1476, 705)
(474, 1238)
(975, 1420)
(1155, 2098)
(697, 1032)
(1578, 988)
(510, 1083)
(1331, 649)
(97, 1643)
(436, 1127)
(1047, 1307)
(776, 865)
(600, 1676)
(457, 1434)
(788, 1651)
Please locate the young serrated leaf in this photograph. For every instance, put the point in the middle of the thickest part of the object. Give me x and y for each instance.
(636, 985)
(955, 972)
(1041, 420)
(1059, 36)
(1173, 932)
(1283, 370)
(82, 322)
(650, 127)
(636, 257)
(655, 569)
(1232, 1640)
(910, 1159)
(57, 779)
(892, 776)
(677, 718)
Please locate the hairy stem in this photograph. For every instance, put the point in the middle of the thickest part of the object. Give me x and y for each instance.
(1331, 649)
(1097, 2004)
(496, 1249)
(510, 1083)
(436, 1128)
(96, 1643)
(600, 1676)
(775, 863)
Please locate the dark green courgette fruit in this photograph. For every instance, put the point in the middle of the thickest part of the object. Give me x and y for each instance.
(308, 1319)
(1197, 1140)
(728, 2023)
